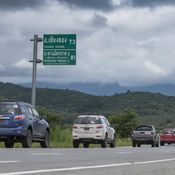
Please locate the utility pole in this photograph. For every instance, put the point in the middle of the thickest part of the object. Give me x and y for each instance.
(35, 61)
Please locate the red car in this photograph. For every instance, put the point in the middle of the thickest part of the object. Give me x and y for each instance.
(167, 136)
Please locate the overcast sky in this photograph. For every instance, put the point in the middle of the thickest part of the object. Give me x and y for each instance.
(131, 42)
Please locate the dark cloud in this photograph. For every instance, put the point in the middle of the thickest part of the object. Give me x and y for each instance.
(99, 20)
(151, 3)
(93, 4)
(20, 4)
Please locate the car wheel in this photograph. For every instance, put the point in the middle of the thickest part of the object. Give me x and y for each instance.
(86, 145)
(104, 142)
(133, 143)
(45, 143)
(27, 141)
(75, 143)
(162, 143)
(113, 144)
(9, 144)
(153, 144)
(138, 145)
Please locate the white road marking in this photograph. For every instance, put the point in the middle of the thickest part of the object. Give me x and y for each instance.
(85, 167)
(45, 154)
(10, 161)
(64, 169)
(125, 152)
(155, 161)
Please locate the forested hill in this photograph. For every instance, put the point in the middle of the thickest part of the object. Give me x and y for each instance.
(69, 101)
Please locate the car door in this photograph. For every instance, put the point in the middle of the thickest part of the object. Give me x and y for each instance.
(109, 129)
(37, 124)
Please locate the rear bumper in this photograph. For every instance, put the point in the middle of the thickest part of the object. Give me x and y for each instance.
(88, 137)
(144, 140)
(10, 132)
(167, 141)
(89, 140)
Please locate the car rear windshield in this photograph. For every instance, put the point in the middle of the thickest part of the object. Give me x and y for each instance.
(9, 109)
(88, 120)
(144, 128)
(167, 132)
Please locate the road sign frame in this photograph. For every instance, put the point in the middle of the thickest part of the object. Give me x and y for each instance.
(59, 49)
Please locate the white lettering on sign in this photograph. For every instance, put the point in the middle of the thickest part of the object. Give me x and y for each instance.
(53, 40)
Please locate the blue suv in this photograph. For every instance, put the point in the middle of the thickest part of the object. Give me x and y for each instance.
(20, 122)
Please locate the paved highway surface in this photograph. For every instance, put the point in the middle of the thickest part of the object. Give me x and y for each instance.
(84, 161)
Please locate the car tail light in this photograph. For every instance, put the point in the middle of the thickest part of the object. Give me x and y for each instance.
(75, 127)
(99, 126)
(19, 117)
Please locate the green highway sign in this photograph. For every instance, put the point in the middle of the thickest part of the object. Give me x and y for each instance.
(59, 49)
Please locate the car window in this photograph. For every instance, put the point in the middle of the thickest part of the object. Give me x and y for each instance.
(35, 113)
(106, 121)
(29, 110)
(9, 109)
(23, 110)
(144, 128)
(167, 132)
(88, 120)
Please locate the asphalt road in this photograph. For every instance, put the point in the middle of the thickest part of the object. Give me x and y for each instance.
(94, 161)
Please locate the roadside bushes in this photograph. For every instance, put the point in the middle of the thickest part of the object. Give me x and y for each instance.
(124, 123)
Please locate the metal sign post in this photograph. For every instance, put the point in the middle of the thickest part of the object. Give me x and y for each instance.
(35, 61)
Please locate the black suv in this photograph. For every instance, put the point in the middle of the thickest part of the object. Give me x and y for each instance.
(20, 122)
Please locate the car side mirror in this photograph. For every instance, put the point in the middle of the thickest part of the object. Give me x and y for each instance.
(44, 117)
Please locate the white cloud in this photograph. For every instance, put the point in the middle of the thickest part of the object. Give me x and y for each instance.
(23, 63)
(131, 45)
(2, 68)
(155, 69)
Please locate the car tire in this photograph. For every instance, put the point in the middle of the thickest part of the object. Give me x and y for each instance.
(27, 141)
(133, 143)
(76, 144)
(45, 143)
(162, 143)
(86, 145)
(113, 144)
(138, 145)
(9, 144)
(104, 143)
(153, 144)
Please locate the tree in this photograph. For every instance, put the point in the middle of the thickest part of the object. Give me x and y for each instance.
(124, 123)
(53, 117)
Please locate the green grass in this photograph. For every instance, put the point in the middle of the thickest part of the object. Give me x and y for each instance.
(121, 142)
(62, 138)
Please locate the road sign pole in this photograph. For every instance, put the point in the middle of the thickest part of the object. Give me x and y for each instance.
(35, 61)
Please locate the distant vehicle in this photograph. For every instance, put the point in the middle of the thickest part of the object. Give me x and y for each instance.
(145, 134)
(20, 122)
(95, 129)
(167, 136)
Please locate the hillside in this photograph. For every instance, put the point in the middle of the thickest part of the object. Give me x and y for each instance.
(106, 88)
(146, 104)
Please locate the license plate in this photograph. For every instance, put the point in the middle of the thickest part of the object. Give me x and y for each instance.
(86, 129)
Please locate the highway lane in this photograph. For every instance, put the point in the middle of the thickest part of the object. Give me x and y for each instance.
(95, 161)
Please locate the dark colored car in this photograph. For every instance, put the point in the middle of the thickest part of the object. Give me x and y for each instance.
(167, 136)
(145, 134)
(20, 122)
